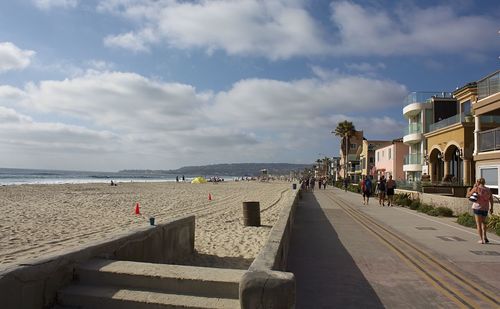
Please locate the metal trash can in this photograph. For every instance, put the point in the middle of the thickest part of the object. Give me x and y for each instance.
(294, 186)
(251, 213)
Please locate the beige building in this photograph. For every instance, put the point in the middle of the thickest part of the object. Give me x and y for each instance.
(486, 111)
(353, 170)
(448, 154)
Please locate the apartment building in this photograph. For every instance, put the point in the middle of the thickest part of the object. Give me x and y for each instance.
(486, 111)
(351, 168)
(389, 160)
(421, 110)
(450, 141)
(367, 156)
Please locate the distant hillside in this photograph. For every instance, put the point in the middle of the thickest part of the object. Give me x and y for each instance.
(236, 169)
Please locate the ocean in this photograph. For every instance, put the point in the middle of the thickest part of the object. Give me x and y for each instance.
(13, 176)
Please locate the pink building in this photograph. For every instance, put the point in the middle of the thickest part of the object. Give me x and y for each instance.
(389, 160)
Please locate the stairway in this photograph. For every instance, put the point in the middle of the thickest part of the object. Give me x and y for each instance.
(102, 283)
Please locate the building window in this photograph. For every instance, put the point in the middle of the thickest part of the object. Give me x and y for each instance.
(466, 107)
(390, 153)
(371, 159)
(490, 175)
(353, 146)
(378, 156)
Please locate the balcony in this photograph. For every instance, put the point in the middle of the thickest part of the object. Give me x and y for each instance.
(413, 133)
(447, 122)
(415, 102)
(489, 140)
(488, 85)
(413, 162)
(423, 97)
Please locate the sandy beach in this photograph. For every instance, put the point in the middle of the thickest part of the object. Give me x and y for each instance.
(43, 219)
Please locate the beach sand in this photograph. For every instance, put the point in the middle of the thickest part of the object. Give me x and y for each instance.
(43, 219)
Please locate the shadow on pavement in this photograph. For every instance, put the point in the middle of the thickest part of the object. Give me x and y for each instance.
(326, 274)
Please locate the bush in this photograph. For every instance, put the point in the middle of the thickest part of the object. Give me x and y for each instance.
(445, 211)
(493, 224)
(414, 205)
(466, 219)
(433, 212)
(402, 199)
(425, 208)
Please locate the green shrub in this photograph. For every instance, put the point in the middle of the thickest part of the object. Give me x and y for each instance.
(402, 199)
(466, 219)
(425, 208)
(493, 224)
(414, 205)
(433, 212)
(407, 202)
(445, 211)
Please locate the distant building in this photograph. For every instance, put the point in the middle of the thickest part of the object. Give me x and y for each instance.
(486, 111)
(389, 160)
(353, 171)
(368, 154)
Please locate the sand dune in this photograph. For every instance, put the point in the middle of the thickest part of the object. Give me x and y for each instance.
(44, 219)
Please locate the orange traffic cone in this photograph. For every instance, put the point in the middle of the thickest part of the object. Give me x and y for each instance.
(209, 197)
(137, 208)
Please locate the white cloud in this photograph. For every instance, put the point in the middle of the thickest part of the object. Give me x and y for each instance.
(131, 116)
(274, 29)
(282, 29)
(14, 58)
(369, 31)
(48, 4)
(22, 132)
(365, 67)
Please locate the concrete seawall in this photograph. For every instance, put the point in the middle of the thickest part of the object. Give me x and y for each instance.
(33, 284)
(265, 284)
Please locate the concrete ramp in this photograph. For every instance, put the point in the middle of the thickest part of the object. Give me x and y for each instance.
(102, 283)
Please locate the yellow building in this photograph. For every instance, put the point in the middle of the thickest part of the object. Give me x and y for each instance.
(448, 154)
(487, 130)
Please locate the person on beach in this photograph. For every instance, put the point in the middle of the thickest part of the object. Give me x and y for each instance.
(324, 184)
(480, 207)
(366, 188)
(391, 185)
(381, 187)
(313, 183)
(176, 178)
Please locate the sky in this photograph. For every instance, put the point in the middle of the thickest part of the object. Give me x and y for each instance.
(159, 84)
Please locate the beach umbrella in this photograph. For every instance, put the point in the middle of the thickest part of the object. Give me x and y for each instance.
(199, 180)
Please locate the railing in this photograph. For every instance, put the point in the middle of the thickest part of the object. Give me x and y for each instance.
(413, 158)
(489, 119)
(488, 85)
(422, 97)
(446, 122)
(413, 128)
(489, 140)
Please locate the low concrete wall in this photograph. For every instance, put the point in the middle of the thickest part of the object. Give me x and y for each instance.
(33, 284)
(265, 284)
(459, 205)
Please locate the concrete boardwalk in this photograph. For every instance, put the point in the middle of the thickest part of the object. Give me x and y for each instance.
(340, 264)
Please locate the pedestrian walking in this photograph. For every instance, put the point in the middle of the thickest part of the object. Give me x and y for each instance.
(366, 188)
(381, 187)
(391, 186)
(480, 207)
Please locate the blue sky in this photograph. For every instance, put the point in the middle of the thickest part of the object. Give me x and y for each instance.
(115, 84)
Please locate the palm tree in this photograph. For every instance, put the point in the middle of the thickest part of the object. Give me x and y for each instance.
(345, 130)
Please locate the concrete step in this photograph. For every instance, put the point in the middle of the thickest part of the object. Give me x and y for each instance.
(174, 279)
(91, 297)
